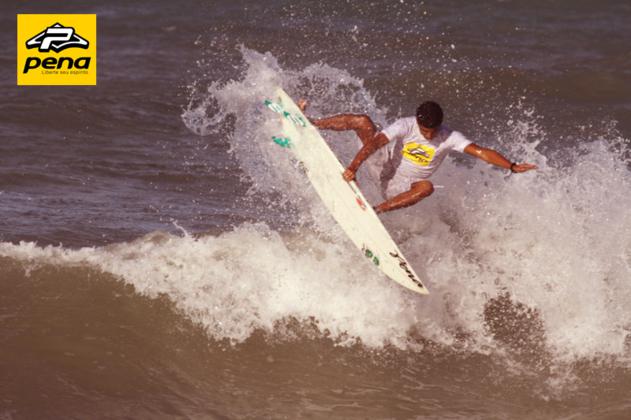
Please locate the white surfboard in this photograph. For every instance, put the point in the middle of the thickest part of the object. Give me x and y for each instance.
(343, 199)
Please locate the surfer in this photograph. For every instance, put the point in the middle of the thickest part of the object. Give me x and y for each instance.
(416, 148)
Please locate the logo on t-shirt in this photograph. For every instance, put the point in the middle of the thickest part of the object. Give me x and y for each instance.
(419, 154)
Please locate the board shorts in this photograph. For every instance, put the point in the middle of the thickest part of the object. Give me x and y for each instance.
(383, 166)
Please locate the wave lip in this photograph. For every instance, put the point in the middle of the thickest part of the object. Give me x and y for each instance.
(233, 290)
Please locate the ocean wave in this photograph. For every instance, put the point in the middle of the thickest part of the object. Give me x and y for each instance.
(548, 250)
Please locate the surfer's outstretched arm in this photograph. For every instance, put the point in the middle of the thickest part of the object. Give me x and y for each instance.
(418, 191)
(495, 158)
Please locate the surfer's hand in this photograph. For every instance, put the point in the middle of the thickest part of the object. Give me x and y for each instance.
(522, 167)
(349, 175)
(302, 104)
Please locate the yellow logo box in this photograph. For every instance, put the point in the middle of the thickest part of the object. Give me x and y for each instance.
(56, 49)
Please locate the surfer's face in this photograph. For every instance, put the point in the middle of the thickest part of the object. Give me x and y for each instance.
(428, 133)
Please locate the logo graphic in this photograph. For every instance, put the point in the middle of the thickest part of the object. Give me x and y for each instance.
(57, 38)
(278, 108)
(283, 142)
(56, 49)
(358, 198)
(404, 266)
(370, 255)
(420, 154)
(361, 203)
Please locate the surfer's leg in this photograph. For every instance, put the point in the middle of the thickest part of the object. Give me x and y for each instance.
(418, 191)
(361, 124)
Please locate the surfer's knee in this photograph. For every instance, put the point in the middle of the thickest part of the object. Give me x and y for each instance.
(362, 122)
(423, 189)
(364, 127)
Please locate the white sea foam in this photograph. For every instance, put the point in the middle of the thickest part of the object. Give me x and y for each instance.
(554, 240)
(250, 279)
(557, 240)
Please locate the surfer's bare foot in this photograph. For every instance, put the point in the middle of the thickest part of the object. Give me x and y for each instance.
(302, 104)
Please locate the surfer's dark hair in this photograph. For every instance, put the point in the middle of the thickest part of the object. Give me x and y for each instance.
(429, 114)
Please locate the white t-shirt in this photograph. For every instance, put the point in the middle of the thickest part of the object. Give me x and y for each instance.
(420, 157)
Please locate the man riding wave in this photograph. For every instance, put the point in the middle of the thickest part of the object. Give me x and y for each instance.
(421, 142)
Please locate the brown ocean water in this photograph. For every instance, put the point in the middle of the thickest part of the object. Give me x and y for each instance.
(161, 258)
